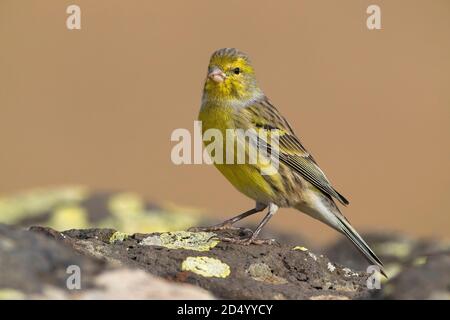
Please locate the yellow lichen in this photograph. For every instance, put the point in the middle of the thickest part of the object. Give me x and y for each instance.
(300, 248)
(11, 294)
(197, 241)
(118, 236)
(129, 214)
(419, 261)
(399, 250)
(127, 211)
(126, 204)
(206, 267)
(153, 221)
(38, 201)
(69, 217)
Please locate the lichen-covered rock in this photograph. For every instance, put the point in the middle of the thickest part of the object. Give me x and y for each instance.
(197, 241)
(78, 207)
(225, 269)
(206, 267)
(39, 265)
(34, 264)
(118, 236)
(33, 204)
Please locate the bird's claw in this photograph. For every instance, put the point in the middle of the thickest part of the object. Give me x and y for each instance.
(249, 241)
(220, 227)
(210, 228)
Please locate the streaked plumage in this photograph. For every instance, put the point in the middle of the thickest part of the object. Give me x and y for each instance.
(233, 100)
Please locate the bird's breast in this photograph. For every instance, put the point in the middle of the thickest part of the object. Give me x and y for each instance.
(216, 117)
(245, 177)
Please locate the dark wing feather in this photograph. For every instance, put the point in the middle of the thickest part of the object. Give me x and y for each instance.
(291, 152)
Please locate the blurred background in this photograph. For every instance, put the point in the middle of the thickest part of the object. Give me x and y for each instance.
(96, 106)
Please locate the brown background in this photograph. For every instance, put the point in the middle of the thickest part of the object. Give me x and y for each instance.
(97, 106)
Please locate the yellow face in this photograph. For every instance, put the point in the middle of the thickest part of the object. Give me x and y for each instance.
(230, 76)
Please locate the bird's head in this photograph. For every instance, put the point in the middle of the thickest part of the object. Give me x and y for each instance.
(230, 76)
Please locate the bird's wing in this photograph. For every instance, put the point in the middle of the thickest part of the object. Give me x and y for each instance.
(263, 115)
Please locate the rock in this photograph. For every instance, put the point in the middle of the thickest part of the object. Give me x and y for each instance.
(39, 264)
(135, 284)
(69, 207)
(288, 238)
(78, 207)
(227, 270)
(395, 250)
(30, 262)
(426, 277)
(417, 268)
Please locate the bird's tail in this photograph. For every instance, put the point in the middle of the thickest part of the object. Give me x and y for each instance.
(350, 232)
(325, 210)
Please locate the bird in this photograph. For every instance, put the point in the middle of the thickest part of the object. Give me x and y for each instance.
(233, 101)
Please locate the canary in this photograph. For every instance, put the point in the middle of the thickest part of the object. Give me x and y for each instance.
(232, 99)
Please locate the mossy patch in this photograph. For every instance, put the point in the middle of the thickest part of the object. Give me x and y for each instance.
(206, 267)
(197, 241)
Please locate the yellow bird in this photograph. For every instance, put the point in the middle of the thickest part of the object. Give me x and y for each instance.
(232, 100)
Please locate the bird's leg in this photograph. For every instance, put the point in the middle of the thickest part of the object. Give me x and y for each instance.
(252, 239)
(228, 224)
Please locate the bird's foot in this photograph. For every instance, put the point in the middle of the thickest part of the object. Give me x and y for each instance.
(247, 236)
(220, 227)
(249, 241)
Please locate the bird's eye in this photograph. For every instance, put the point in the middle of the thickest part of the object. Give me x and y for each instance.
(236, 70)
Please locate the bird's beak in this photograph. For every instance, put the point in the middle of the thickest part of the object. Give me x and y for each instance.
(217, 75)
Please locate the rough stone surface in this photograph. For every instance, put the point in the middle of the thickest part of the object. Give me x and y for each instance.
(226, 270)
(187, 265)
(395, 250)
(426, 277)
(135, 284)
(134, 263)
(34, 265)
(29, 261)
